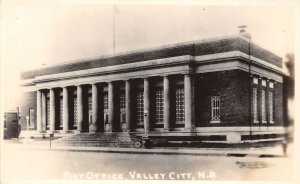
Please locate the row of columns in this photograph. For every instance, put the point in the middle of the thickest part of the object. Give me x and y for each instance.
(41, 106)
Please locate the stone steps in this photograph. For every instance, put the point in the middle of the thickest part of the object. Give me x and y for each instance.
(114, 139)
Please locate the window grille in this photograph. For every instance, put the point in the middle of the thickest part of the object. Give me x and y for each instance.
(263, 106)
(48, 112)
(122, 108)
(61, 109)
(271, 107)
(140, 107)
(159, 105)
(122, 101)
(180, 105)
(75, 112)
(105, 101)
(90, 104)
(215, 108)
(254, 100)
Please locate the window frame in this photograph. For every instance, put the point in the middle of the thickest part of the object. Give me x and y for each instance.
(159, 93)
(179, 98)
(263, 113)
(215, 106)
(255, 105)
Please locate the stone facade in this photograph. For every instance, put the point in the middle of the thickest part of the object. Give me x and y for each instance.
(208, 90)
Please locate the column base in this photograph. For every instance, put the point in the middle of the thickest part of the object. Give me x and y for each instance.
(94, 131)
(190, 129)
(78, 131)
(51, 131)
(166, 129)
(116, 130)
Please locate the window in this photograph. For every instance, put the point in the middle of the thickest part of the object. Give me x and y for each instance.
(75, 112)
(105, 101)
(122, 101)
(215, 109)
(48, 112)
(271, 107)
(123, 118)
(31, 117)
(254, 100)
(255, 80)
(90, 105)
(140, 108)
(106, 118)
(179, 105)
(61, 109)
(159, 105)
(90, 102)
(264, 83)
(122, 108)
(271, 85)
(263, 106)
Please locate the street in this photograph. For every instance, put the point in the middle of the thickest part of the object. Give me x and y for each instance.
(28, 164)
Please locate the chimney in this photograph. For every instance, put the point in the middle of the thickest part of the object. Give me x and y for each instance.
(243, 31)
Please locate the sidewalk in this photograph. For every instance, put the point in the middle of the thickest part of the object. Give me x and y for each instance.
(274, 151)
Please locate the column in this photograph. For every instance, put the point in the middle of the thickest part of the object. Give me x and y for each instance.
(128, 105)
(44, 112)
(147, 103)
(65, 109)
(111, 106)
(52, 110)
(94, 127)
(39, 111)
(188, 102)
(79, 108)
(166, 103)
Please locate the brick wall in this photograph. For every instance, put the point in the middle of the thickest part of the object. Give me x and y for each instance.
(278, 103)
(28, 101)
(232, 87)
(226, 45)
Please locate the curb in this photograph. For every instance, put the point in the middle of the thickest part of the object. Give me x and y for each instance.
(161, 152)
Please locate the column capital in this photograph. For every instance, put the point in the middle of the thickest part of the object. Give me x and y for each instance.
(128, 79)
(165, 75)
(93, 83)
(41, 89)
(64, 86)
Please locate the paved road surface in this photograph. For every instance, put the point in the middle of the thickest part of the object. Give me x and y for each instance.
(42, 164)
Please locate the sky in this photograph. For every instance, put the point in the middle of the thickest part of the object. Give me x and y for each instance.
(37, 34)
